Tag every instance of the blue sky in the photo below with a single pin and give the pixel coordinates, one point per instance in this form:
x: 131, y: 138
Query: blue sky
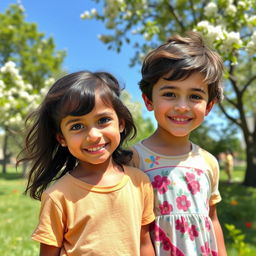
x: 61, y: 20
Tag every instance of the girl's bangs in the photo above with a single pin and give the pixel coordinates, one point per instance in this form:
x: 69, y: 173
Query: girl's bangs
x: 77, y: 101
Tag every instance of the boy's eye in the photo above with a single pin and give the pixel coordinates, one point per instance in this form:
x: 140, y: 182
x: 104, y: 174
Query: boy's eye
x: 169, y: 94
x: 76, y: 127
x: 104, y: 120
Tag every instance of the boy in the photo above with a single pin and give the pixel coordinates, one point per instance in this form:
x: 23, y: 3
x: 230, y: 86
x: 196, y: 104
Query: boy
x: 181, y: 81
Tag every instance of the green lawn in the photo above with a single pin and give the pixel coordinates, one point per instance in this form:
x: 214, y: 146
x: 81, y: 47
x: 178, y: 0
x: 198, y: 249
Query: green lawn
x: 19, y: 214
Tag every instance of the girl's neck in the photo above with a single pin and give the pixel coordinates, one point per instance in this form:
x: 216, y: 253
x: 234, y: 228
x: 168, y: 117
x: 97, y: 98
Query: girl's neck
x: 168, y: 145
x: 105, y: 174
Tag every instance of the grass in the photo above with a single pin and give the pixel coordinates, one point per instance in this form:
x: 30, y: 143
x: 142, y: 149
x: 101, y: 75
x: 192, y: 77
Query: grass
x: 19, y: 215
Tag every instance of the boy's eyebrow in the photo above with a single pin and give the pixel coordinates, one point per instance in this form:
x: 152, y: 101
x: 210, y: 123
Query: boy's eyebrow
x: 165, y: 87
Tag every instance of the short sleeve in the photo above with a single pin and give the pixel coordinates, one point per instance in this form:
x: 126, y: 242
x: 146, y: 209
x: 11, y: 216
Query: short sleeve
x: 214, y: 176
x: 148, y: 211
x: 51, y: 228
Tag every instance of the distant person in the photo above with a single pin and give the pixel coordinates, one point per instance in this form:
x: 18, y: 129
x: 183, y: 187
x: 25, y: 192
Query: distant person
x: 229, y: 165
x: 181, y: 81
x: 92, y: 203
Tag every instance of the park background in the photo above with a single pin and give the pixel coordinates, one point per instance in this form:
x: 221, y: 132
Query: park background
x: 74, y: 36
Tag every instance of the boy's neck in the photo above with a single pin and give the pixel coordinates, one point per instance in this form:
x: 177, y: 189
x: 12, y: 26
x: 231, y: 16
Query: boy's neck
x: 171, y: 145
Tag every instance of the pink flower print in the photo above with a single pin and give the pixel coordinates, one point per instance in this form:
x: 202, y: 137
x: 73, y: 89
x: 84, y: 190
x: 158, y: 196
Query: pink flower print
x: 161, y: 183
x: 152, y: 160
x: 198, y: 171
x: 189, y: 177
x: 214, y: 253
x: 181, y: 225
x: 165, y: 208
x: 159, y: 233
x: 194, y: 187
x: 183, y: 203
x: 207, y: 224
x: 166, y: 244
x: 192, y: 231
x: 205, y: 250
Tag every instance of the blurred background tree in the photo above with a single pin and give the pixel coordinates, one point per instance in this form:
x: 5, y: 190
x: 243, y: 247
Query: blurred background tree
x: 28, y: 62
x: 227, y: 25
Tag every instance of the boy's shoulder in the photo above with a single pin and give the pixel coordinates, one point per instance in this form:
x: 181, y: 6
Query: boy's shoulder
x: 208, y: 157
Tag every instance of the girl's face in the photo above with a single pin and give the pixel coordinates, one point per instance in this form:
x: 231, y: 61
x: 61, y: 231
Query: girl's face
x: 92, y: 138
x: 179, y: 106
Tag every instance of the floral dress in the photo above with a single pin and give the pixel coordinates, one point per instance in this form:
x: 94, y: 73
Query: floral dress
x: 184, y: 187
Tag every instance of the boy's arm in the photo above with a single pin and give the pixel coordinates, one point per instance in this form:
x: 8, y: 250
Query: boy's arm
x: 218, y: 231
x: 48, y: 250
x: 146, y: 247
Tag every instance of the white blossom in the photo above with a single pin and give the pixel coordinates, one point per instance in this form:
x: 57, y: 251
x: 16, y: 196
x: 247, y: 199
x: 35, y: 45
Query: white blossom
x: 231, y: 10
x: 210, y: 10
x: 85, y: 15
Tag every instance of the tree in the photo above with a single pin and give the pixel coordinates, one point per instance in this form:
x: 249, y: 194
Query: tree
x: 28, y: 61
x: 144, y: 125
x: 227, y: 25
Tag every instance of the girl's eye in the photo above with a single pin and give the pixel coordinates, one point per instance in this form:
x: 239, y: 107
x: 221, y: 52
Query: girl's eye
x: 196, y: 97
x: 104, y: 120
x: 76, y: 127
x: 169, y: 94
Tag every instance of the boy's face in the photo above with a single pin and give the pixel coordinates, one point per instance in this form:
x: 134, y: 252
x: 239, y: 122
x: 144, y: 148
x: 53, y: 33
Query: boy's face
x: 179, y: 106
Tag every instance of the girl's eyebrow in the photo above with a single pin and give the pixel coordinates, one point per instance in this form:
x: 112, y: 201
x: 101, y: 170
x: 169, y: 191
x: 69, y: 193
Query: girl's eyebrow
x: 79, y: 119
x: 70, y: 121
x: 166, y: 87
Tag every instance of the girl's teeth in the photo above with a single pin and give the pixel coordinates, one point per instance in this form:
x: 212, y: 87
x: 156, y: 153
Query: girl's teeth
x: 95, y: 149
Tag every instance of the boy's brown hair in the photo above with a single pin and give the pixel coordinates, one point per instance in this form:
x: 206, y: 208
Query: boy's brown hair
x: 180, y: 57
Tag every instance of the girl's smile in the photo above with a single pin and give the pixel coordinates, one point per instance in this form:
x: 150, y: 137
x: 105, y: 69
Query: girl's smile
x: 92, y: 138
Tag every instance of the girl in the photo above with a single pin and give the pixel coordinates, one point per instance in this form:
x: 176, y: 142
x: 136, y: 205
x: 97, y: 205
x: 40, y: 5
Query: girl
x: 181, y: 81
x: 95, y: 204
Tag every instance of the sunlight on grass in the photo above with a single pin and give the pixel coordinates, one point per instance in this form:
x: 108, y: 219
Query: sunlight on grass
x: 19, y: 215
x: 18, y: 218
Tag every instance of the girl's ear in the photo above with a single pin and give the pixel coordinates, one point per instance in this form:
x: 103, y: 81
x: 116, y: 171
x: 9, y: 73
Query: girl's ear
x: 60, y: 138
x: 121, y: 125
x: 209, y: 107
x: 148, y: 102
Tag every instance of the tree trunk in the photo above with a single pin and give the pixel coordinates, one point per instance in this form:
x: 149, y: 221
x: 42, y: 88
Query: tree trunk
x: 5, y: 154
x: 250, y: 175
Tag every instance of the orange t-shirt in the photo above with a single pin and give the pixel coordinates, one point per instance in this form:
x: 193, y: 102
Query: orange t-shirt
x: 85, y: 219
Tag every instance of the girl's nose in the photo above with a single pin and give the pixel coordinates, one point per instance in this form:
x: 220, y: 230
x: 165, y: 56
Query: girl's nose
x: 93, y: 134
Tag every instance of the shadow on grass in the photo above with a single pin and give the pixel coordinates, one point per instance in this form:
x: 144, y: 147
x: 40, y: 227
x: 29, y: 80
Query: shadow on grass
x: 238, y: 208
x: 11, y: 176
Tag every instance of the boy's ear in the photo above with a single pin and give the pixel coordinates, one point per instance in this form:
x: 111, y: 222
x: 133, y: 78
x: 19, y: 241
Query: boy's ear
x: 209, y: 107
x: 148, y: 102
x: 60, y: 138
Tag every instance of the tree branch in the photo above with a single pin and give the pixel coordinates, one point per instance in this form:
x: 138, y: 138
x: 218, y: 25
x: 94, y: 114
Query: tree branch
x: 248, y: 84
x: 229, y: 116
x: 175, y: 15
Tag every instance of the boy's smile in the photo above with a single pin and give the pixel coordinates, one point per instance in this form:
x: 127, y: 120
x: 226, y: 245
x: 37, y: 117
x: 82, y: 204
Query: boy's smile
x: 179, y: 106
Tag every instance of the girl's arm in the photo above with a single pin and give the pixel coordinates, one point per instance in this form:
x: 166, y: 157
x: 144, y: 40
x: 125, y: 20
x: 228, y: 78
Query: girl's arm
x: 48, y: 250
x: 218, y: 231
x: 146, y: 247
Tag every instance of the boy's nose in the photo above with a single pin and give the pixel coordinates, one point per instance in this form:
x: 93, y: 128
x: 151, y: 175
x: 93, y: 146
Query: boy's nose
x: 182, y: 106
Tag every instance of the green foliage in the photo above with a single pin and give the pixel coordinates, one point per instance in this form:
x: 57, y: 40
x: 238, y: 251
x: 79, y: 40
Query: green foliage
x: 144, y: 126
x: 218, y: 140
x: 238, y: 240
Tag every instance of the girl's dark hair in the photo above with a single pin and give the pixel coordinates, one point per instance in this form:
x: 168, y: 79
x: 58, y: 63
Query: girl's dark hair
x: 180, y: 57
x: 73, y: 94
